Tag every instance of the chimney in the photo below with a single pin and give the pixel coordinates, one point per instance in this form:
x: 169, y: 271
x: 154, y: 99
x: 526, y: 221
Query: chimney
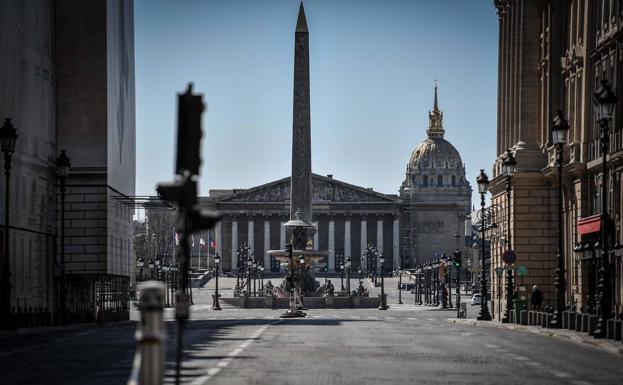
x: 330, y: 176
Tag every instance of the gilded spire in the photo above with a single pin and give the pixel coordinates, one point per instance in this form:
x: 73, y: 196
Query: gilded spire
x: 435, y: 120
x: 435, y: 105
x: 301, y: 23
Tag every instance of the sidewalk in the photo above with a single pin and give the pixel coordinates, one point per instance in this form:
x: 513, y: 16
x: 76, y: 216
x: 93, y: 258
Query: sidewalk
x: 579, y: 338
x: 64, y: 328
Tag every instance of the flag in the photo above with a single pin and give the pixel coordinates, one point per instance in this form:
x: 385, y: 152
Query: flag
x: 177, y: 239
x: 202, y: 242
x: 193, y: 240
x: 212, y: 242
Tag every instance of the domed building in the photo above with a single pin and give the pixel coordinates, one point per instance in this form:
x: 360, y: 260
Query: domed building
x: 435, y: 194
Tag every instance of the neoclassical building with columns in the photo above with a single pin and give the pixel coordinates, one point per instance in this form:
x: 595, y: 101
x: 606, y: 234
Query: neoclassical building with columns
x: 347, y: 217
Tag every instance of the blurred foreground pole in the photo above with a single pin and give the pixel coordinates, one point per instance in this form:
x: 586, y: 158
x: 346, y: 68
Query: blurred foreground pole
x: 148, y: 368
x: 182, y: 193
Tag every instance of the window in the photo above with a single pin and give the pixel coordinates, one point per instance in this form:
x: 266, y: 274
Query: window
x: 453, y: 180
x: 439, y: 180
x: 425, y: 180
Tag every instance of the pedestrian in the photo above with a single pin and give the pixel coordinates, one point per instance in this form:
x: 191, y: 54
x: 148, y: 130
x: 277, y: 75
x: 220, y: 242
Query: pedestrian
x: 536, y: 298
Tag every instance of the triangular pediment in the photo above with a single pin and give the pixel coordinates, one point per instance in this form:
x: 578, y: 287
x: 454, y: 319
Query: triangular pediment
x: 325, y: 190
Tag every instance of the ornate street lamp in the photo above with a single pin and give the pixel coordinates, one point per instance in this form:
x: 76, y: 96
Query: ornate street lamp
x: 157, y: 263
x: 302, y: 267
x: 435, y: 266
x: 342, y: 276
x: 8, y: 136
x: 400, y: 282
x: 62, y: 173
x: 483, y: 184
x: 605, y: 103
x: 216, y: 305
x: 262, y: 280
x: 560, y: 128
x: 383, y: 305
x: 508, y: 169
x: 140, y: 263
x: 254, y: 272
x: 348, y: 275
x: 457, y: 263
x: 151, y: 268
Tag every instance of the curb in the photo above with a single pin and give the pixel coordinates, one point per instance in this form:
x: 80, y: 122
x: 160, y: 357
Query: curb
x: 611, y: 347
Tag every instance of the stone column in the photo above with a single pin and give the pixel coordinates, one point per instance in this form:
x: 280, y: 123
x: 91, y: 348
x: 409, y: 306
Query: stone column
x: 282, y: 236
x: 218, y: 237
x: 251, y: 236
x: 316, y: 236
x: 234, y: 244
x: 364, y: 243
x: 347, y: 249
x: 331, y: 245
x: 266, y: 243
x: 379, y: 240
x: 396, y: 242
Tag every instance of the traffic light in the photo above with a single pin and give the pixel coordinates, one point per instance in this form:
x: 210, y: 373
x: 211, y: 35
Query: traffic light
x: 457, y: 258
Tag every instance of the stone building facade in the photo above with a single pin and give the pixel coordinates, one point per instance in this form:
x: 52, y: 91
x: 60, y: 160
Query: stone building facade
x: 552, y: 56
x: 67, y: 82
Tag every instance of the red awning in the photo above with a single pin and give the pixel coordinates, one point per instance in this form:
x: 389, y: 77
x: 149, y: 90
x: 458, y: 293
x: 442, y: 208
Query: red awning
x: 589, y: 225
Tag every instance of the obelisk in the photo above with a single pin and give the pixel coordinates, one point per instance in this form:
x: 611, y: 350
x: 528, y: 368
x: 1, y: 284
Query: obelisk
x: 301, y: 182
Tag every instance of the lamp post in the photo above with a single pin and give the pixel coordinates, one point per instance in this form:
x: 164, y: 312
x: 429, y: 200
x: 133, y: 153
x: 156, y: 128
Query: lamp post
x: 383, y: 305
x: 217, y: 261
x: 508, y: 169
x: 359, y: 273
x: 302, y: 267
x: 254, y: 271
x: 483, y: 183
x: 605, y: 103
x: 140, y: 263
x: 560, y: 128
x: 62, y: 173
x: 436, y: 299
x: 8, y: 136
x: 151, y: 268
x: 261, y: 268
x: 342, y: 276
x: 400, y: 282
x: 243, y: 255
x: 249, y: 265
x: 457, y: 263
x: 348, y: 275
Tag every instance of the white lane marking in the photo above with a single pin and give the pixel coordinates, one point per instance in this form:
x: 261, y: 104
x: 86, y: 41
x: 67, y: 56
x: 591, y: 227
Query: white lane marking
x: 372, y: 317
x: 467, y: 334
x: 412, y: 319
x: 560, y: 374
x: 354, y: 316
x: 390, y: 317
x: 224, y: 362
x: 491, y: 346
x: 235, y: 352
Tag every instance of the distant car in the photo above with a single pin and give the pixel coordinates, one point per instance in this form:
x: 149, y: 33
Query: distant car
x: 476, y: 298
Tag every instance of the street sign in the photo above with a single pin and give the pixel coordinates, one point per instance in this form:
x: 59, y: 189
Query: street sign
x: 509, y: 257
x: 499, y: 271
x: 522, y: 270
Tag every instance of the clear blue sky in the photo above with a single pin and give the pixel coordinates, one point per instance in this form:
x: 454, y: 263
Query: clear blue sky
x: 372, y: 66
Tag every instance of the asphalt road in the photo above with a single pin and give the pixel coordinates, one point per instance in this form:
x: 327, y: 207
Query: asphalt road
x: 405, y: 344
